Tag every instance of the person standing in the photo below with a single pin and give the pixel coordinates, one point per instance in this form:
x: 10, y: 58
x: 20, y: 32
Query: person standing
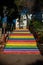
x: 4, y: 20
x: 14, y: 23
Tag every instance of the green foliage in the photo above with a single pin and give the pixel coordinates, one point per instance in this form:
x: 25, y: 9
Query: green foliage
x: 38, y: 27
x: 18, y: 2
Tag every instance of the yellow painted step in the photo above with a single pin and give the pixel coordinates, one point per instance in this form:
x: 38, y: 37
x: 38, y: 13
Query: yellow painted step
x: 21, y: 36
x: 21, y: 44
x: 21, y: 32
x: 21, y: 29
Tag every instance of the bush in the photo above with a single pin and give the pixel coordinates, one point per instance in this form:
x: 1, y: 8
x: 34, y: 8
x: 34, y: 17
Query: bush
x: 38, y: 28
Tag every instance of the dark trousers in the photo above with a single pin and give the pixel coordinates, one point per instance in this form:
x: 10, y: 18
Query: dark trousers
x: 4, y: 30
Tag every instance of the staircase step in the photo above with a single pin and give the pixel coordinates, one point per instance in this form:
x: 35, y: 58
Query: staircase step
x: 32, y: 41
x: 20, y: 32
x: 21, y: 52
x: 21, y: 37
x: 21, y: 47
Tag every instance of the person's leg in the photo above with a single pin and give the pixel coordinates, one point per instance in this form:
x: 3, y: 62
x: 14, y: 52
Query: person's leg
x: 2, y: 30
x: 12, y: 26
x: 5, y: 30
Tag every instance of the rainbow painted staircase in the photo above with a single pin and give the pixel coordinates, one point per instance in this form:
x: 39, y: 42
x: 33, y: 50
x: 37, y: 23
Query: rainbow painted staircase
x: 21, y: 42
